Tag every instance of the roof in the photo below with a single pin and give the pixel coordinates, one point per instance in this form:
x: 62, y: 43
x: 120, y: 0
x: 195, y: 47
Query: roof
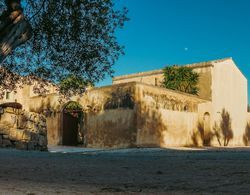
x: 160, y: 71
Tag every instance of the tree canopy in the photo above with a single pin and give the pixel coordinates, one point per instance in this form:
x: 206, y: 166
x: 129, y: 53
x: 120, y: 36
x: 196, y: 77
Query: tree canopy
x: 62, y: 38
x: 181, y: 78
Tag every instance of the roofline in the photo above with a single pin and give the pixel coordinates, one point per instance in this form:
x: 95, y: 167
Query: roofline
x: 238, y: 68
x: 160, y: 71
x: 197, y: 98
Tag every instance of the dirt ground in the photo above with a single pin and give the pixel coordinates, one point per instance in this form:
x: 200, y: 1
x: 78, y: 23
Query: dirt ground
x: 133, y: 171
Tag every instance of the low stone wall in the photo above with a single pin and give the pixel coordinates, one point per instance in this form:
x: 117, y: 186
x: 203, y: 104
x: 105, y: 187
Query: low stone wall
x: 23, y: 130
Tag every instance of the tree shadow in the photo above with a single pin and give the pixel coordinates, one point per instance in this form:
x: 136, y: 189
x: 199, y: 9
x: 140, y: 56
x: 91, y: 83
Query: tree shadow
x: 225, y: 126
x: 151, y: 128
x: 119, y: 99
x: 246, y: 136
x: 201, y: 137
x: 223, y: 132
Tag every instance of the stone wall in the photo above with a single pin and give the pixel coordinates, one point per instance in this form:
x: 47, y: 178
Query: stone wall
x: 23, y: 130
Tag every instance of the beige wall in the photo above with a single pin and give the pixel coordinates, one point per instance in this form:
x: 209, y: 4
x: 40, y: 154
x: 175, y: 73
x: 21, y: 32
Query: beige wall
x: 110, y: 116
x: 229, y: 88
x: 205, y: 82
x: 151, y: 79
x: 161, y: 125
x: 157, y: 118
x: 111, y: 128
x: 54, y: 129
x: 156, y: 77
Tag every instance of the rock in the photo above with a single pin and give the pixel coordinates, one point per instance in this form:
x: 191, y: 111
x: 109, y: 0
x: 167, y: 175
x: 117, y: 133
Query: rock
x: 29, y: 125
x: 42, y: 141
x: 21, y: 146
x: 6, y: 143
x: 29, y: 133
x: 16, y: 134
x: 42, y: 123
x: 31, y: 146
x: 5, y: 136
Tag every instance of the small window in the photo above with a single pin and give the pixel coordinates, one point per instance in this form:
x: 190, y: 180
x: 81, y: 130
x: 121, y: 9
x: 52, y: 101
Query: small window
x: 7, y: 95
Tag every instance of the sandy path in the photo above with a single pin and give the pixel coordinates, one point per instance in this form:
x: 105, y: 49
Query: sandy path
x: 134, y: 171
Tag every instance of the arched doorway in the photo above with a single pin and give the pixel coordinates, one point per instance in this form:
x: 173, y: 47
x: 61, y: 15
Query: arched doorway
x: 72, y: 116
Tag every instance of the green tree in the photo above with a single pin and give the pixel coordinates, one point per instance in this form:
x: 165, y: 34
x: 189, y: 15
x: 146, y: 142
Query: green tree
x: 53, y: 40
x: 181, y: 78
x: 72, y: 84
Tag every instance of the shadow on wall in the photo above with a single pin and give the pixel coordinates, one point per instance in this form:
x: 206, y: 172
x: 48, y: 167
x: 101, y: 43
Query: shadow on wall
x: 152, y: 128
x: 222, y: 132
x: 246, y: 136
x: 119, y: 99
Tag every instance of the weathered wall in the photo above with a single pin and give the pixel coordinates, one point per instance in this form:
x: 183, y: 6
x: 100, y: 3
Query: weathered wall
x: 151, y: 77
x: 134, y: 113
x: 54, y: 129
x: 111, y: 128
x: 205, y: 81
x: 229, y: 88
x: 165, y: 117
x: 110, y: 116
x: 51, y: 107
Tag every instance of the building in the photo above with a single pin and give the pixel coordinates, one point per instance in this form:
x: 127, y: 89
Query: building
x: 136, y: 111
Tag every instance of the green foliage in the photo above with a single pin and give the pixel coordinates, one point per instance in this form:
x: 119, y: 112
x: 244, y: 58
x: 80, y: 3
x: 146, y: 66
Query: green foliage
x: 248, y: 108
x: 74, y: 109
x: 72, y: 84
x: 181, y: 78
x: 71, y: 106
x: 70, y: 37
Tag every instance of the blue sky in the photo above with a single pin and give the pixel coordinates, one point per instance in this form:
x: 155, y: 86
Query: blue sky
x: 166, y: 32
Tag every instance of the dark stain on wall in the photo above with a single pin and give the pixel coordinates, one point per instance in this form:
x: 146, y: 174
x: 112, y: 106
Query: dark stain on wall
x: 119, y: 99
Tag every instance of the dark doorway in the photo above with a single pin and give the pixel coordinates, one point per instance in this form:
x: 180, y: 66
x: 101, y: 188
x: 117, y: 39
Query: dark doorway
x: 72, y: 116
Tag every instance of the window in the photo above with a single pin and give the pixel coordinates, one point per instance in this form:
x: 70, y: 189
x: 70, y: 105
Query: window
x: 7, y: 95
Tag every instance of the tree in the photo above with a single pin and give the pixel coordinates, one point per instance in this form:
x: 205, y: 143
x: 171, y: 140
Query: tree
x: 14, y: 28
x: 181, y: 78
x: 72, y: 84
x: 57, y: 39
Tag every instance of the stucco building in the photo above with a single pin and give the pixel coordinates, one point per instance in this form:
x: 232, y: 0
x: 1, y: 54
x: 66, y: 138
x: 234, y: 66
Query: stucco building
x: 136, y: 111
